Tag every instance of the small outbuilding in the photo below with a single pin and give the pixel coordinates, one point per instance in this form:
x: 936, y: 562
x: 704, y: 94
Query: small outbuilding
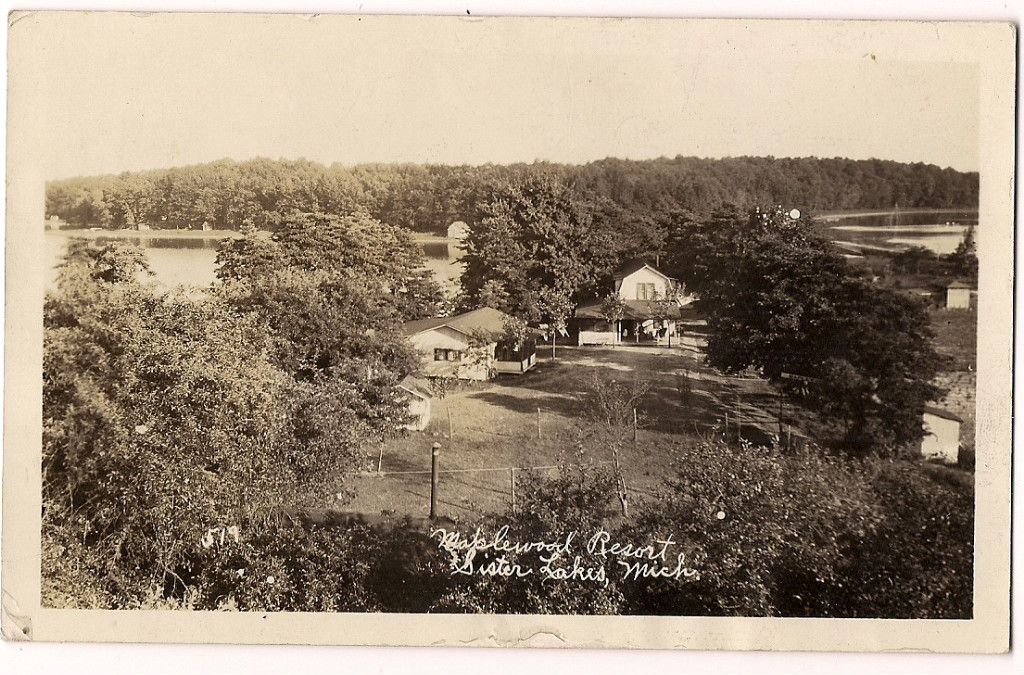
x: 941, y: 435
x: 420, y: 395
x: 958, y: 295
x: 458, y: 230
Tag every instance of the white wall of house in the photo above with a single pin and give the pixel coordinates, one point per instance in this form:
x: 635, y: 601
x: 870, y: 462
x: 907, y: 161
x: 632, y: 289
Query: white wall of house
x: 597, y: 332
x: 594, y: 337
x: 628, y: 287
x: 474, y: 363
x: 958, y: 298
x: 941, y: 440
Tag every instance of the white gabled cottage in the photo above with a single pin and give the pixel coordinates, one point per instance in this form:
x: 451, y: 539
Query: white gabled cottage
x: 653, y: 304
x: 469, y: 346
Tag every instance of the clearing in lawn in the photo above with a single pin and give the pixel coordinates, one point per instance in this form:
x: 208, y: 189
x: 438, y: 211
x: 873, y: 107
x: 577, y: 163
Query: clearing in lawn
x: 495, y: 428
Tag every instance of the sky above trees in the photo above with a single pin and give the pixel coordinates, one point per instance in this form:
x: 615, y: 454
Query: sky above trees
x: 131, y: 94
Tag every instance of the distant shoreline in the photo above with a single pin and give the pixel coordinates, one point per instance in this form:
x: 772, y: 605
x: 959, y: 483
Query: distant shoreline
x: 86, y: 233
x: 429, y: 238
x: 832, y: 216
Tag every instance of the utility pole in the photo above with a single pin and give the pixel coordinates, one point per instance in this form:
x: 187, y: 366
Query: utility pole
x: 512, y: 483
x: 435, y: 451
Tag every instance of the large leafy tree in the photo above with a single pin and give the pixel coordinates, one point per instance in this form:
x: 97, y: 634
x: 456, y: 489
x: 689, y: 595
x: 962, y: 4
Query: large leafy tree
x: 164, y: 417
x: 332, y: 292
x: 781, y: 300
x: 535, y: 247
x: 353, y: 247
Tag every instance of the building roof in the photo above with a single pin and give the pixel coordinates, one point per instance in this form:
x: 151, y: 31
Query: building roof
x: 944, y: 414
x: 416, y: 386
x: 635, y: 265
x: 635, y: 310
x: 960, y: 283
x: 483, y: 320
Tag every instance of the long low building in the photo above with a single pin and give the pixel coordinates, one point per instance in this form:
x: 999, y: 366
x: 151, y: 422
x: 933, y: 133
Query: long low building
x: 469, y: 346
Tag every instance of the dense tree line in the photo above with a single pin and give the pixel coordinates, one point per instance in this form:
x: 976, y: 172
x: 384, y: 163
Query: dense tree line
x: 426, y: 198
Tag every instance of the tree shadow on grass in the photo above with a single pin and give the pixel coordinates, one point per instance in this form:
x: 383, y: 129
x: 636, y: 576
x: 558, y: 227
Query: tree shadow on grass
x: 558, y: 404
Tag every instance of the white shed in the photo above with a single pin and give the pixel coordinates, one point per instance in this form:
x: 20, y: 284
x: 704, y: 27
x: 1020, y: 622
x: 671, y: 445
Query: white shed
x: 958, y: 295
x: 420, y: 395
x: 942, y: 435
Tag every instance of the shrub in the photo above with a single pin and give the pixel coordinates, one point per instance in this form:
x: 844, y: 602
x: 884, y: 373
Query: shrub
x: 918, y: 561
x: 768, y: 533
x: 576, y: 499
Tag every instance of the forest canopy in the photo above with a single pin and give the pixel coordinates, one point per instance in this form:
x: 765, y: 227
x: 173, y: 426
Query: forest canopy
x: 227, y: 195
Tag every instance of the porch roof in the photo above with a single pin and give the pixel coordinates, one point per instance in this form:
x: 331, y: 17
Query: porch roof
x: 636, y: 310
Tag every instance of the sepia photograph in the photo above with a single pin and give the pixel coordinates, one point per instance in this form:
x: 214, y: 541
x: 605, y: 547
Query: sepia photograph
x: 461, y: 317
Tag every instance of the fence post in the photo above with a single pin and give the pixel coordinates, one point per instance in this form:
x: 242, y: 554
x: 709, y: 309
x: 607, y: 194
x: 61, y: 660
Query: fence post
x: 538, y: 422
x: 512, y: 483
x: 634, y: 426
x: 449, y: 409
x: 380, y: 458
x: 435, y: 450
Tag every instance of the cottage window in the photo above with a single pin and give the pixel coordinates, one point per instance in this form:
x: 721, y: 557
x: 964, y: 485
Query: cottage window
x: 447, y: 355
x: 645, y: 291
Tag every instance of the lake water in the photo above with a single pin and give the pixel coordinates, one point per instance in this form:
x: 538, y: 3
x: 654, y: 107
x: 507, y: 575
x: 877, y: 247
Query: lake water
x: 939, y: 231
x: 174, y: 261
x: 190, y: 261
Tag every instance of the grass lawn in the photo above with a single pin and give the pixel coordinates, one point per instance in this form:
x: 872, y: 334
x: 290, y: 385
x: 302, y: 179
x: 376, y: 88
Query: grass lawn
x: 956, y: 336
x: 495, y: 427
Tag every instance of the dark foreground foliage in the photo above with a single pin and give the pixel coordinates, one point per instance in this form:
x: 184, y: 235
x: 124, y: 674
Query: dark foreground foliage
x: 768, y: 533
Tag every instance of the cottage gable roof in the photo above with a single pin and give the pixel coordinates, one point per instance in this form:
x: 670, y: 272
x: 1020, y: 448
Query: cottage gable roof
x: 636, y: 265
x: 959, y: 283
x: 416, y: 387
x: 483, y: 320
